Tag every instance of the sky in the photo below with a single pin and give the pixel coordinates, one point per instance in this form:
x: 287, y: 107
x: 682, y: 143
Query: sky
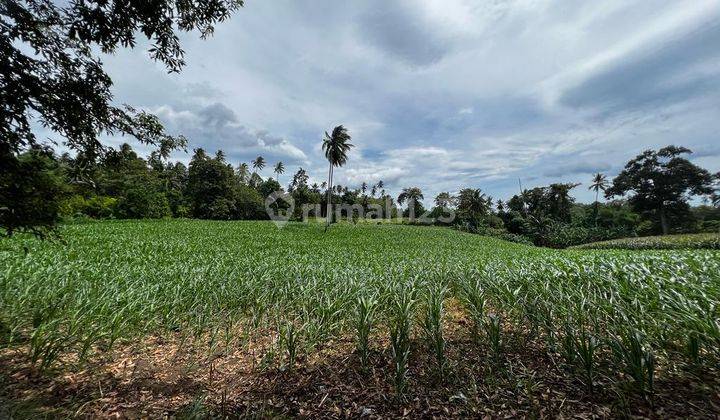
x: 444, y: 94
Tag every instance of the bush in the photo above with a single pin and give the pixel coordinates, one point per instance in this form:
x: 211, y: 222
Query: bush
x: 710, y: 226
x: 249, y: 204
x: 96, y: 206
x: 139, y: 203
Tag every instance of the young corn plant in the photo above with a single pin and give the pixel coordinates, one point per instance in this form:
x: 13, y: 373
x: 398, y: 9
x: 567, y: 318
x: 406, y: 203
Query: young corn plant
x: 289, y: 341
x: 567, y: 345
x: 637, y: 359
x: 364, y: 320
x: 493, y: 331
x: 472, y: 296
x: 400, y: 329
x: 586, y: 345
x: 432, y: 325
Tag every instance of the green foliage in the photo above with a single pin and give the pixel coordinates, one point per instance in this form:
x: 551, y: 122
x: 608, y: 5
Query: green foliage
x: 96, y: 206
x: 432, y: 324
x: 249, y: 204
x: 52, y: 78
x: 364, y: 321
x: 139, y: 203
x: 210, y: 188
x: 402, y: 303
x: 31, y: 191
x: 661, y: 181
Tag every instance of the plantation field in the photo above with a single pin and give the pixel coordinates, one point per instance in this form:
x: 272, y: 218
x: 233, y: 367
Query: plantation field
x: 686, y: 241
x: 242, y: 318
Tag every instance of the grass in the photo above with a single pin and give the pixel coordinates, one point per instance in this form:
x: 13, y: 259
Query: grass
x: 685, y: 241
x: 387, y: 289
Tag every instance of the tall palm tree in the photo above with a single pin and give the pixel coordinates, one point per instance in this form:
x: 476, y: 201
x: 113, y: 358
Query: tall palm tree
x: 373, y: 190
x: 279, y: 168
x: 413, y: 196
x: 336, y: 147
x: 473, y: 201
x: 363, y: 187
x: 323, y: 185
x: 444, y: 199
x: 258, y: 163
x: 599, y: 183
x: 243, y: 173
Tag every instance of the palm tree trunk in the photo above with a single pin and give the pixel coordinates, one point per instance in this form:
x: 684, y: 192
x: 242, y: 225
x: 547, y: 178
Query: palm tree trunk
x: 328, y: 207
x: 597, y: 205
x: 663, y: 220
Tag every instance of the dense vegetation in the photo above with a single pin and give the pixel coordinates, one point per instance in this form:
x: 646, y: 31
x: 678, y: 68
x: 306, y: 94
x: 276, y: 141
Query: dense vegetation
x: 122, y: 185
x: 51, y: 77
x: 631, y: 317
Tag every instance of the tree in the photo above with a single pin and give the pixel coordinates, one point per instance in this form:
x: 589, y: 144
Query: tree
x: 559, y: 202
x: 661, y: 182
x: 50, y: 75
x: 444, y: 200
x: 472, y: 206
x: 243, y: 173
x: 279, y: 168
x: 210, y: 187
x: 30, y: 193
x: 336, y: 147
x: 715, y: 197
x: 299, y: 180
x: 258, y: 164
x: 364, y: 187
x: 413, y: 196
x: 599, y: 183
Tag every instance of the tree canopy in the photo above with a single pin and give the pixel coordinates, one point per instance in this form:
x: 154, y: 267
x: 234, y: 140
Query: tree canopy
x: 661, y: 182
x: 51, y: 76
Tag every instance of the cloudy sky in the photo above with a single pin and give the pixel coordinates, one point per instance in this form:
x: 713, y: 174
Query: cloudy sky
x: 444, y: 94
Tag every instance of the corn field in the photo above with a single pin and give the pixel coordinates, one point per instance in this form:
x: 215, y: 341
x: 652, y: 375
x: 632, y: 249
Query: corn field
x: 112, y: 283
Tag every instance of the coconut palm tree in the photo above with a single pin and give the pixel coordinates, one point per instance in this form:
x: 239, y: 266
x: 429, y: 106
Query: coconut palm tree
x: 473, y: 201
x: 279, y: 168
x: 444, y: 199
x: 363, y: 187
x: 413, y: 196
x: 599, y: 183
x: 412, y: 193
x: 373, y: 190
x: 323, y: 185
x: 258, y: 163
x: 243, y: 173
x: 336, y: 147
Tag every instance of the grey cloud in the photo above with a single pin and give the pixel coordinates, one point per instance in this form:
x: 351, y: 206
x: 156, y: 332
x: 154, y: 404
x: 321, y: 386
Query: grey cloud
x: 203, y: 90
x: 217, y: 115
x: 575, y: 168
x: 656, y: 75
x: 216, y: 126
x: 399, y: 29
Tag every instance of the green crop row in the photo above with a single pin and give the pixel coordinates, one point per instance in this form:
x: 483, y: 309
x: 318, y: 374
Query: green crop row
x: 112, y: 282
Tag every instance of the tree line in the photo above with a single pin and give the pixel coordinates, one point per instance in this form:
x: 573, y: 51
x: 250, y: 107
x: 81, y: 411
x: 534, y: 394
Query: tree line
x: 649, y: 196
